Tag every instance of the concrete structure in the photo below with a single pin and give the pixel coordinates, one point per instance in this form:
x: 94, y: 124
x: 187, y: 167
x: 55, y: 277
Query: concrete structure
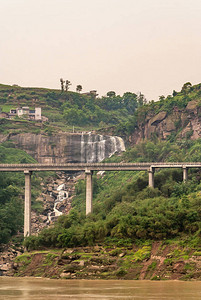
x: 27, y: 204
x: 89, y: 191
x: 92, y: 94
x: 32, y: 114
x: 151, y: 176
x: 88, y: 168
x: 185, y: 173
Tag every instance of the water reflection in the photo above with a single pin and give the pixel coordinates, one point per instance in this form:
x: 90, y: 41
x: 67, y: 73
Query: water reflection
x: 40, y: 289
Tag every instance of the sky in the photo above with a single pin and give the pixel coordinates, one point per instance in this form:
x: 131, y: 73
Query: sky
x: 147, y: 46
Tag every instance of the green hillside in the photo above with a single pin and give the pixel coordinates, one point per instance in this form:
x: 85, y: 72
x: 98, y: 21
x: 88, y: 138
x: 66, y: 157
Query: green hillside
x: 65, y: 109
x: 177, y: 101
x: 126, y: 211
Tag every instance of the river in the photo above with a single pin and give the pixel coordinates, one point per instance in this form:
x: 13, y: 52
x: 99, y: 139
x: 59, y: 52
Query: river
x: 49, y: 289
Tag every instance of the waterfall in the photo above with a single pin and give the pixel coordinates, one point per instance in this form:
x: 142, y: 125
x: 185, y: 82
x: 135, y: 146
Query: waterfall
x: 121, y: 142
x: 101, y: 149
x: 96, y: 147
x: 82, y: 148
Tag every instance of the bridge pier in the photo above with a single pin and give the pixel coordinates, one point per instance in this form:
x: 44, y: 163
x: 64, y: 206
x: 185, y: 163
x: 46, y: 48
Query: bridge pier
x: 27, y: 204
x: 185, y: 174
x: 151, y: 177
x: 89, y: 191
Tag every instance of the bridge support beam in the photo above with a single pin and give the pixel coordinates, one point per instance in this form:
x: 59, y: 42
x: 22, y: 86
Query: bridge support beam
x: 185, y: 174
x: 89, y: 191
x: 151, y: 177
x: 27, y: 204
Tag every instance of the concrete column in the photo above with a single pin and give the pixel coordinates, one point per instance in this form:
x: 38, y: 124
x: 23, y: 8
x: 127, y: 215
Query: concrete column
x: 185, y: 174
x: 89, y: 191
x: 27, y: 204
x: 151, y: 177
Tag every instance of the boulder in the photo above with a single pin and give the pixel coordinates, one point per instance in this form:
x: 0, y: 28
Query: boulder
x: 158, y: 118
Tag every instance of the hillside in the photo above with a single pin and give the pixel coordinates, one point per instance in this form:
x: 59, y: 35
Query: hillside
x: 66, y: 109
x: 126, y: 212
x: 176, y: 117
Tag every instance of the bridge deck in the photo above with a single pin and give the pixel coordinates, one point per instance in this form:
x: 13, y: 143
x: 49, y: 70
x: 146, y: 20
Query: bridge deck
x: 96, y: 166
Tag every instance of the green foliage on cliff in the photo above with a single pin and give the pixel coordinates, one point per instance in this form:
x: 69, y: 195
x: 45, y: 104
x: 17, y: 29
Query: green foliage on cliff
x: 176, y: 102
x: 126, y: 209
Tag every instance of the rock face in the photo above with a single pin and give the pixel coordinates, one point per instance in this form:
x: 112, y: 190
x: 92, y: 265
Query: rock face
x: 7, y: 256
x: 68, y: 148
x: 184, y: 122
x: 160, y: 263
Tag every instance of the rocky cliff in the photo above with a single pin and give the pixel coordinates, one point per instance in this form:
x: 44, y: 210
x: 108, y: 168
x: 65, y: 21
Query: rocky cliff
x: 185, y: 123
x: 68, y: 147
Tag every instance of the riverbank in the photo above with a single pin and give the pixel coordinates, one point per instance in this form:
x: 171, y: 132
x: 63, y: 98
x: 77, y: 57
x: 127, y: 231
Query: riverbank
x: 153, y: 261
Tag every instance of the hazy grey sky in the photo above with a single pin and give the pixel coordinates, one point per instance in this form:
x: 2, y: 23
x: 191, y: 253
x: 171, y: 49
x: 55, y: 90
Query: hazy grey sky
x: 152, y: 46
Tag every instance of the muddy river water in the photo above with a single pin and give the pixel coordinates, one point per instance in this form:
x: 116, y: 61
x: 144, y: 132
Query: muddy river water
x: 40, y: 289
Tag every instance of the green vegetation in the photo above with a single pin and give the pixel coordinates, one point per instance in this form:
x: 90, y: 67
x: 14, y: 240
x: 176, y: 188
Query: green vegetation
x: 12, y: 192
x: 177, y: 101
x: 126, y: 210
x: 65, y: 109
x: 111, y: 262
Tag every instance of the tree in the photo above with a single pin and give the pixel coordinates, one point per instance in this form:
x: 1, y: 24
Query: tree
x: 111, y: 94
x: 62, y: 84
x: 68, y: 83
x: 174, y: 93
x: 130, y: 101
x: 186, y: 87
x: 78, y: 88
x: 141, y: 99
x: 162, y: 97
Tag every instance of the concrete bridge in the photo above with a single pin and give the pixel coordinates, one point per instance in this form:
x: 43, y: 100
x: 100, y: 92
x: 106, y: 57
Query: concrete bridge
x: 88, y: 168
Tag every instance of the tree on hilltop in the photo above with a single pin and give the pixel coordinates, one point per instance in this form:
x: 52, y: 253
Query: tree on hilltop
x: 111, y: 94
x: 62, y: 84
x: 67, y: 85
x: 78, y: 88
x: 141, y: 99
x: 186, y: 87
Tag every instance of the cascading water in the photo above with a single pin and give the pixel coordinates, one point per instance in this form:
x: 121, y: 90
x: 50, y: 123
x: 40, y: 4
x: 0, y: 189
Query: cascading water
x: 82, y: 148
x: 95, y: 148
x: 101, y: 149
x: 62, y: 195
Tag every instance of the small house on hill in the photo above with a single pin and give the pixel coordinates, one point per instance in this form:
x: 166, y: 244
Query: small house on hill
x: 3, y: 115
x: 32, y: 114
x: 92, y: 94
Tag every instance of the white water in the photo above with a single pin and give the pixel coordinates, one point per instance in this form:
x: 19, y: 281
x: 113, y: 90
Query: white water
x: 95, y: 148
x: 63, y: 194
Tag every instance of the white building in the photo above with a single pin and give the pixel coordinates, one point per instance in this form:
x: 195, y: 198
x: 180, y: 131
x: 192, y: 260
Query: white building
x: 33, y: 114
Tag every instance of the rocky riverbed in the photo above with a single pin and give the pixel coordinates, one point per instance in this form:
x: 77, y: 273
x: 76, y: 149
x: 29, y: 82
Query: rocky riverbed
x: 56, y: 199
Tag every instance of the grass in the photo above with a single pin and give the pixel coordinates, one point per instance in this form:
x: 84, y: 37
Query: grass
x: 6, y: 108
x: 197, y: 253
x: 142, y: 253
x: 152, y: 266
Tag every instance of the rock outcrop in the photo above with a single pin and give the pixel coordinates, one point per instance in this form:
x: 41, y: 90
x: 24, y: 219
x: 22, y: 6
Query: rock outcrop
x: 7, y: 255
x: 183, y: 122
x: 68, y: 147
x: 159, y: 261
